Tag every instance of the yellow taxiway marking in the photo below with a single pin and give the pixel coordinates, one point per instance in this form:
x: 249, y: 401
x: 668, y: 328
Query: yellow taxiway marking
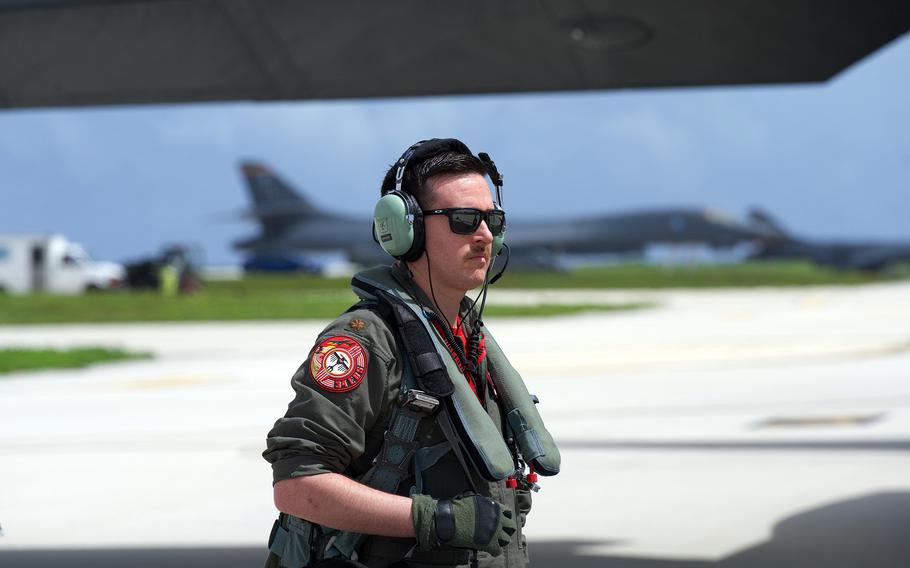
x: 177, y: 381
x: 820, y: 421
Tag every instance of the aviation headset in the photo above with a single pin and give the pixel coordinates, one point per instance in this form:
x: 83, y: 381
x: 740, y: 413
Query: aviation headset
x: 398, y: 224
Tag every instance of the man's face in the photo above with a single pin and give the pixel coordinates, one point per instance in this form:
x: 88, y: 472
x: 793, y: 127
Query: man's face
x: 457, y: 262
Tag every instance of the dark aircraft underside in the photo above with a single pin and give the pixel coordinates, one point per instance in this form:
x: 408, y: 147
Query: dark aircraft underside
x: 102, y: 52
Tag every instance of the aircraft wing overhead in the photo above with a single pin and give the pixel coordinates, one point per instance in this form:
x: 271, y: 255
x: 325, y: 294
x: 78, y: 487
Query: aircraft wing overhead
x: 103, y: 52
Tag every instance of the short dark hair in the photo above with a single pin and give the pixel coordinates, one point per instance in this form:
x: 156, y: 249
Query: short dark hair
x: 418, y: 173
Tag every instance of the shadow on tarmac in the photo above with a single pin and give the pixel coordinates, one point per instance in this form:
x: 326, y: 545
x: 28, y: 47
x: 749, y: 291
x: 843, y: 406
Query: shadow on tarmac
x: 870, y: 531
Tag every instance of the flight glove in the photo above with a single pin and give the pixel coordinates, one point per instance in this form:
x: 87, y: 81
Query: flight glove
x: 466, y: 521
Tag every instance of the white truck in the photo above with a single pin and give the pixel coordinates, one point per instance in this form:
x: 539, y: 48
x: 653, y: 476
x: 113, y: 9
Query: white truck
x: 54, y: 265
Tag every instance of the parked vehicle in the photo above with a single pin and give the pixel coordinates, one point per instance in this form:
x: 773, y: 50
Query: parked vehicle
x: 180, y: 262
x: 53, y: 264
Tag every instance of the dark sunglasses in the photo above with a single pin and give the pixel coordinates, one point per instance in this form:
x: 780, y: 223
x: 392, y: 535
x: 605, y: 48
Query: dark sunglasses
x: 464, y: 221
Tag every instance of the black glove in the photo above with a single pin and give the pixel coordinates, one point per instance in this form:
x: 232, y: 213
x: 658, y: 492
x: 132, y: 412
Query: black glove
x: 466, y: 521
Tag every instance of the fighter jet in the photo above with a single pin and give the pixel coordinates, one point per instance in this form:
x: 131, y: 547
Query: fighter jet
x: 291, y: 224
x: 778, y: 243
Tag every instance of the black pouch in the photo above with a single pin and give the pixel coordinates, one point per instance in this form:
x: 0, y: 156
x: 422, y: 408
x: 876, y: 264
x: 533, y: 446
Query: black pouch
x: 338, y: 563
x: 290, y: 543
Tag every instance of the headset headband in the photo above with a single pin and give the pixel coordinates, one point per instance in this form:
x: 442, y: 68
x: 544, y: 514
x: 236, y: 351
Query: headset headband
x: 494, y: 174
x: 426, y: 149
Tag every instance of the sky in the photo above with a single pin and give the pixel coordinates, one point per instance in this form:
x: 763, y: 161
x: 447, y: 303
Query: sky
x: 829, y: 161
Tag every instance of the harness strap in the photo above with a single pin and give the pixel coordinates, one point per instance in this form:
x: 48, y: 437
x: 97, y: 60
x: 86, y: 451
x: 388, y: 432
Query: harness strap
x: 394, y: 459
x: 428, y: 368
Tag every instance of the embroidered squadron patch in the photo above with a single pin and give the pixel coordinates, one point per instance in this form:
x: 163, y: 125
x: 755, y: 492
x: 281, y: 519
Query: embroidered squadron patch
x: 338, y: 364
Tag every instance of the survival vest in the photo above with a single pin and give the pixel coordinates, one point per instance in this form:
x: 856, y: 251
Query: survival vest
x: 428, y: 392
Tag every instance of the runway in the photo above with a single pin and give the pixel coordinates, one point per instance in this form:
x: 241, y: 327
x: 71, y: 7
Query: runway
x: 764, y: 427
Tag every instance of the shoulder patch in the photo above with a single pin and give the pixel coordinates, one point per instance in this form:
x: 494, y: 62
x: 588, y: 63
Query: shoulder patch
x: 338, y: 363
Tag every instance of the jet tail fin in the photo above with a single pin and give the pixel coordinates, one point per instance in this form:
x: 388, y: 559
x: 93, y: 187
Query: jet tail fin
x: 272, y: 197
x: 763, y: 222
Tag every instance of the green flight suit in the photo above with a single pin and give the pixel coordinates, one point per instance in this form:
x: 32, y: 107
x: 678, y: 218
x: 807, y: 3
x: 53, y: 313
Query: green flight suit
x: 341, y: 432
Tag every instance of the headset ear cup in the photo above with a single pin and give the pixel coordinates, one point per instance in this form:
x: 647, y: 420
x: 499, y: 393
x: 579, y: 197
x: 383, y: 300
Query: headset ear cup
x: 398, y: 225
x: 393, y: 230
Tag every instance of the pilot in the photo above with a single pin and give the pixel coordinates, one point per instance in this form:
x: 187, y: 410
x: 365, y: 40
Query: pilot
x: 411, y: 440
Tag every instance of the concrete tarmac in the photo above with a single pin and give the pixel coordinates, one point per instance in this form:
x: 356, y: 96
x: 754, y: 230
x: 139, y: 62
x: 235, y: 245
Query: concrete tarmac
x: 765, y: 427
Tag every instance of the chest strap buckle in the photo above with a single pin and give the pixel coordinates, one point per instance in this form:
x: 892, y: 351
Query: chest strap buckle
x: 419, y: 401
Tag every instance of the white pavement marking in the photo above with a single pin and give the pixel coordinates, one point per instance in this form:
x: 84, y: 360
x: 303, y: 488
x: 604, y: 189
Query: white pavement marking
x: 660, y: 411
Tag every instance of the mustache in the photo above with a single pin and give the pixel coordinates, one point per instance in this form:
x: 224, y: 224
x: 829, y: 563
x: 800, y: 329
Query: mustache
x: 486, y: 251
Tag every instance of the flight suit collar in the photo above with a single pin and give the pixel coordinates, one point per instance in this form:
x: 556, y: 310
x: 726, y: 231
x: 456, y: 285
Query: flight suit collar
x: 403, y: 276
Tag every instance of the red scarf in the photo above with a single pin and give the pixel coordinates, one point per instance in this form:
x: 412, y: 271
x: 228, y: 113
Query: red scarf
x: 460, y: 337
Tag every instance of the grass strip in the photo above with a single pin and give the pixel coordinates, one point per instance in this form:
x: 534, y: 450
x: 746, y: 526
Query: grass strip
x: 34, y: 359
x: 150, y: 307
x: 640, y: 276
x: 292, y: 297
x: 110, y: 308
